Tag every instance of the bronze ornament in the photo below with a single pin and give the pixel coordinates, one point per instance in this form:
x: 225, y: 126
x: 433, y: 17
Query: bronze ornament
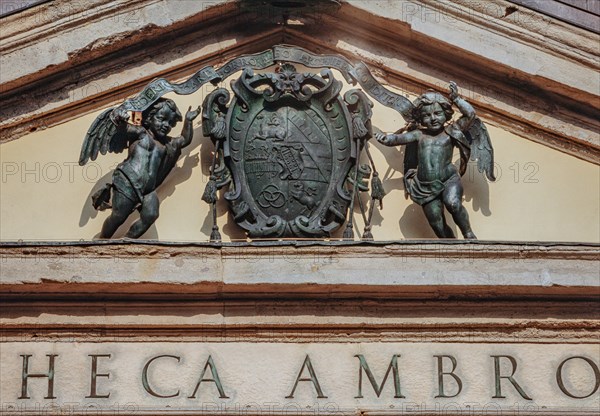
x: 289, y: 147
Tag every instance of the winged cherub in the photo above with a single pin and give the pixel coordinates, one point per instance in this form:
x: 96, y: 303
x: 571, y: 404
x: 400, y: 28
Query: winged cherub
x: 152, y: 154
x: 430, y: 177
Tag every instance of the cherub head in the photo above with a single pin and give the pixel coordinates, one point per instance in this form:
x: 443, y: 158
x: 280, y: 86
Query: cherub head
x: 161, y: 117
x: 432, y: 110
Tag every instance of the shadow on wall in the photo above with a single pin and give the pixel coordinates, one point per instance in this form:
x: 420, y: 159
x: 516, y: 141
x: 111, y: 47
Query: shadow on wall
x: 87, y: 210
x: 477, y: 189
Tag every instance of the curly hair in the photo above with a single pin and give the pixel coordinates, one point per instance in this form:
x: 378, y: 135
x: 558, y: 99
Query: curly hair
x: 429, y: 98
x: 148, y: 113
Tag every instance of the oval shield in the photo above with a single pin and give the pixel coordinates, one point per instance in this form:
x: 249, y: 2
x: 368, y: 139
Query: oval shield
x: 289, y: 150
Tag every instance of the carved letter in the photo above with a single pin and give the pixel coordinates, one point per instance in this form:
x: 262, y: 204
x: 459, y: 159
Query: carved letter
x: 441, y: 374
x: 93, y: 393
x: 510, y: 378
x: 50, y: 375
x: 561, y: 385
x: 215, y: 379
x: 145, y: 382
x: 365, y: 367
x: 313, y: 379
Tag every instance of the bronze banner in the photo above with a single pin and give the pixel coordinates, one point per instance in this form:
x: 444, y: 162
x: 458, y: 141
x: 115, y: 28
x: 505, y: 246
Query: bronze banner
x: 285, y: 53
x: 358, y: 73
x: 382, y: 94
x: 161, y: 86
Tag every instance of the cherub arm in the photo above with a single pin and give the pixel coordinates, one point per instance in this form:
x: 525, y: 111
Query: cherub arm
x: 463, y: 123
x: 187, y: 133
x: 392, y: 139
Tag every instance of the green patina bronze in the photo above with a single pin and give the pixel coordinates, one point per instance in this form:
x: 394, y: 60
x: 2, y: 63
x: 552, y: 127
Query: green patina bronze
x: 288, y: 147
x: 430, y: 177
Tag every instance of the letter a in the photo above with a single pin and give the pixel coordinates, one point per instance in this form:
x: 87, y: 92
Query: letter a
x: 215, y: 379
x: 313, y: 379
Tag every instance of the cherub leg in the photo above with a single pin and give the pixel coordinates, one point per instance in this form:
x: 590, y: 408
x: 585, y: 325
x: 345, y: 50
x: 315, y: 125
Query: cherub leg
x: 434, y: 211
x: 148, y: 214
x: 122, y: 207
x: 452, y: 197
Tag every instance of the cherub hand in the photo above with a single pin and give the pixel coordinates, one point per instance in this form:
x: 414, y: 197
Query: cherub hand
x: 385, y: 138
x: 453, y: 90
x: 191, y: 115
x: 120, y: 115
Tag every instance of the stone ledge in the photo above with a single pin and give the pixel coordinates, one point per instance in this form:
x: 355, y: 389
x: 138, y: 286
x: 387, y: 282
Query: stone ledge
x: 388, y: 270
x: 306, y: 321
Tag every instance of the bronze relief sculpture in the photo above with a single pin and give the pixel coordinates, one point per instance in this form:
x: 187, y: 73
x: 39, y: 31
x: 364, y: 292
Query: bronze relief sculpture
x: 288, y: 148
x: 430, y: 177
x: 151, y: 155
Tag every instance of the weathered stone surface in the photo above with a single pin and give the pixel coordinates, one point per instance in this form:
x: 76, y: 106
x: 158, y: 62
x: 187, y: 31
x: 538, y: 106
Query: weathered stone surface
x: 259, y: 310
x: 401, y: 269
x: 75, y: 31
x: 448, y: 22
x: 501, y: 77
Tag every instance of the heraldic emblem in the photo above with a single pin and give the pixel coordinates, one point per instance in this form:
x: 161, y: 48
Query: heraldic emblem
x: 285, y: 147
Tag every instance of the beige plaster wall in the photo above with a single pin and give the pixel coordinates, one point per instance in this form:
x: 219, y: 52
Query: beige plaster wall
x: 541, y: 194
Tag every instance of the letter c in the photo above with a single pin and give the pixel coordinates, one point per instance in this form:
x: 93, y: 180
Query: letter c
x: 145, y: 377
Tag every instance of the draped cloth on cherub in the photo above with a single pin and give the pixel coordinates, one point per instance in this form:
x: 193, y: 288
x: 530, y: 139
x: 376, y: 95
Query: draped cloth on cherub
x: 423, y: 192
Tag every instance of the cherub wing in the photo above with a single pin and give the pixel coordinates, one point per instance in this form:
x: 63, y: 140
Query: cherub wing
x: 103, y: 136
x: 481, y: 148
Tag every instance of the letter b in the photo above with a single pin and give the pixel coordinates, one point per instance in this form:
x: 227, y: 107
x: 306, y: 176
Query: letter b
x: 441, y: 374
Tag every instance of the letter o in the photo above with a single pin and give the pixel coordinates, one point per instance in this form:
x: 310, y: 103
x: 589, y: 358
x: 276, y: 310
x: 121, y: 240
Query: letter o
x: 97, y: 168
x: 561, y: 385
x: 49, y: 178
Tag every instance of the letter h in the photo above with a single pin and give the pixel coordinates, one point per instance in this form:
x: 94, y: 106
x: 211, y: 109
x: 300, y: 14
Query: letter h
x: 50, y: 375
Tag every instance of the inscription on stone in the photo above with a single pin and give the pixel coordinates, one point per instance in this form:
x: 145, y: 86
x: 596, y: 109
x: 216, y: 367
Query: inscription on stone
x: 349, y: 376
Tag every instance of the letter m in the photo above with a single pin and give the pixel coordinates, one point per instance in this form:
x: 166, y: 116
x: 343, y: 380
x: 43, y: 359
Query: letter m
x: 393, y: 367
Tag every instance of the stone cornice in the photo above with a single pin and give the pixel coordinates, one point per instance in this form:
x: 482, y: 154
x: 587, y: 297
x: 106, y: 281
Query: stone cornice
x: 66, y: 33
x: 527, y: 26
x: 419, y: 291
x: 384, y: 270
x: 556, y: 113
